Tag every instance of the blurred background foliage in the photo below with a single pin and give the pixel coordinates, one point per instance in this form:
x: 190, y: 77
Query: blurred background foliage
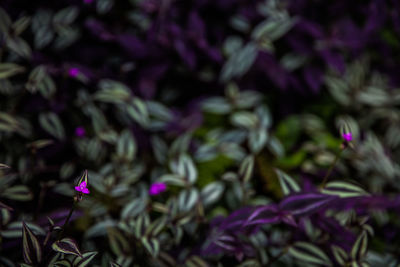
x: 231, y: 103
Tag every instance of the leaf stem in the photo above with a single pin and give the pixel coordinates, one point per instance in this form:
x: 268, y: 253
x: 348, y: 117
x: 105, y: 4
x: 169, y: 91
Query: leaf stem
x: 66, y: 221
x: 325, y: 180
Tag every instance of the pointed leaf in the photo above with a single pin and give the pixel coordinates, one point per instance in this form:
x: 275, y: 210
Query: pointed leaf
x: 343, y: 189
x: 86, y: 258
x: 246, y: 168
x: 67, y: 246
x: 32, y: 251
x: 211, y: 193
x: 288, y: 184
x: 309, y: 253
x: 302, y: 204
x: 360, y: 246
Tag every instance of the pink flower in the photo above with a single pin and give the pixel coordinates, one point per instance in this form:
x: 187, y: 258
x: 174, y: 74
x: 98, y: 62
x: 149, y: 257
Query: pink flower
x: 157, y: 188
x: 80, y: 131
x: 82, y: 188
x: 73, y: 72
x: 347, y: 136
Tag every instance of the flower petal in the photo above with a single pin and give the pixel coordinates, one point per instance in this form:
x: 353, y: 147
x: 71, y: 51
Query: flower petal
x: 77, y: 188
x: 85, y: 191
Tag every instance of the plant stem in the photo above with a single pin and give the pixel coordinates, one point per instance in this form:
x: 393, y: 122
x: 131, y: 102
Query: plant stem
x: 66, y: 221
x: 325, y: 180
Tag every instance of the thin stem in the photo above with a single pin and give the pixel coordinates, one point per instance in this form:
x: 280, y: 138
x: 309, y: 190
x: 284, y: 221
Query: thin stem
x: 66, y: 221
x: 331, y: 167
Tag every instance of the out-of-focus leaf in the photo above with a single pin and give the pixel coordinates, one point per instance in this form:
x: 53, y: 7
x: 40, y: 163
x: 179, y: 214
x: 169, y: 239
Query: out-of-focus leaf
x: 103, y: 6
x: 38, y: 144
x: 133, y: 208
x: 360, y: 246
x: 339, y: 254
x: 273, y: 29
x: 52, y: 124
x: 10, y: 69
x: 186, y: 168
x: 211, y: 193
x: 62, y: 263
x: 217, y: 105
x: 137, y: 110
x: 112, y: 92
x: 66, y: 246
x: 20, y: 25
x: 302, y: 204
x: 240, y: 62
x: 288, y: 185
x: 126, y: 146
x: 257, y: 139
x: 14, y: 230
x: 187, y: 199
x: 152, y: 245
x: 309, y: 253
x: 118, y: 243
x: 19, y: 47
x: 244, y: 119
x: 5, y: 21
x: 17, y: 192
x: 173, y: 179
x: 196, y: 261
x: 84, y: 261
x: 4, y: 166
x: 338, y: 89
x: 31, y: 248
x: 343, y: 189
x: 66, y: 16
x: 246, y: 168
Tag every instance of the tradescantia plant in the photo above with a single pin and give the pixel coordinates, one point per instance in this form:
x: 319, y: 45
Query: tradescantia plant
x: 207, y: 129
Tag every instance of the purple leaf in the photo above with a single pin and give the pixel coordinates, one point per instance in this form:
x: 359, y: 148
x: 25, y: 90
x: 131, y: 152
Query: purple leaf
x: 303, y: 204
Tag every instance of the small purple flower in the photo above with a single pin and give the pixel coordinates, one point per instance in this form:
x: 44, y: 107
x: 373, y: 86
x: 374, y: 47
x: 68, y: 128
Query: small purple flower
x: 80, y: 131
x: 82, y: 188
x: 157, y: 188
x: 87, y: 1
x: 347, y: 136
x: 73, y: 72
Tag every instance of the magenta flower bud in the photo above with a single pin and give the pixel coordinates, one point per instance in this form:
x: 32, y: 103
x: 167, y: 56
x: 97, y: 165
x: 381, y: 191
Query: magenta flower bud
x: 82, y: 188
x: 347, y: 136
x: 80, y: 131
x: 157, y: 188
x: 73, y: 72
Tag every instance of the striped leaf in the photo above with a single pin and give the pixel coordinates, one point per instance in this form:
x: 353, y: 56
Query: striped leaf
x: 187, y: 199
x: 211, y: 193
x: 86, y: 258
x: 309, y: 253
x: 52, y: 124
x: 152, y: 246
x: 246, y: 168
x: 67, y: 246
x: 339, y: 254
x: 126, y: 146
x: 10, y: 69
x: 288, y: 184
x: 196, y: 261
x: 17, y: 192
x: 360, y: 246
x: 343, y: 189
x: 187, y: 169
x: 32, y: 251
x: 62, y: 263
x: 118, y: 243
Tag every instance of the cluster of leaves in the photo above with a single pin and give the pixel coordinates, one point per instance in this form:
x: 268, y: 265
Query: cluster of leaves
x: 153, y: 88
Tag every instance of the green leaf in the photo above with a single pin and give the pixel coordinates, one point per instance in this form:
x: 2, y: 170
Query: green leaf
x: 66, y: 246
x: 10, y: 69
x: 217, y: 105
x: 133, y: 208
x: 187, y: 199
x: 104, y: 6
x: 309, y: 253
x: 4, y: 166
x: 137, y: 110
x: 20, y: 25
x: 288, y: 184
x: 52, y: 124
x: 86, y: 258
x: 212, y: 193
x: 66, y: 16
x: 258, y: 139
x: 126, y: 146
x: 339, y: 254
x: 62, y: 263
x: 112, y: 92
x: 343, y: 189
x: 19, y: 47
x: 32, y: 251
x: 186, y: 168
x: 83, y: 178
x: 196, y: 261
x: 244, y: 119
x: 118, y: 243
x: 152, y: 246
x: 246, y: 168
x: 360, y: 246
x: 17, y: 192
